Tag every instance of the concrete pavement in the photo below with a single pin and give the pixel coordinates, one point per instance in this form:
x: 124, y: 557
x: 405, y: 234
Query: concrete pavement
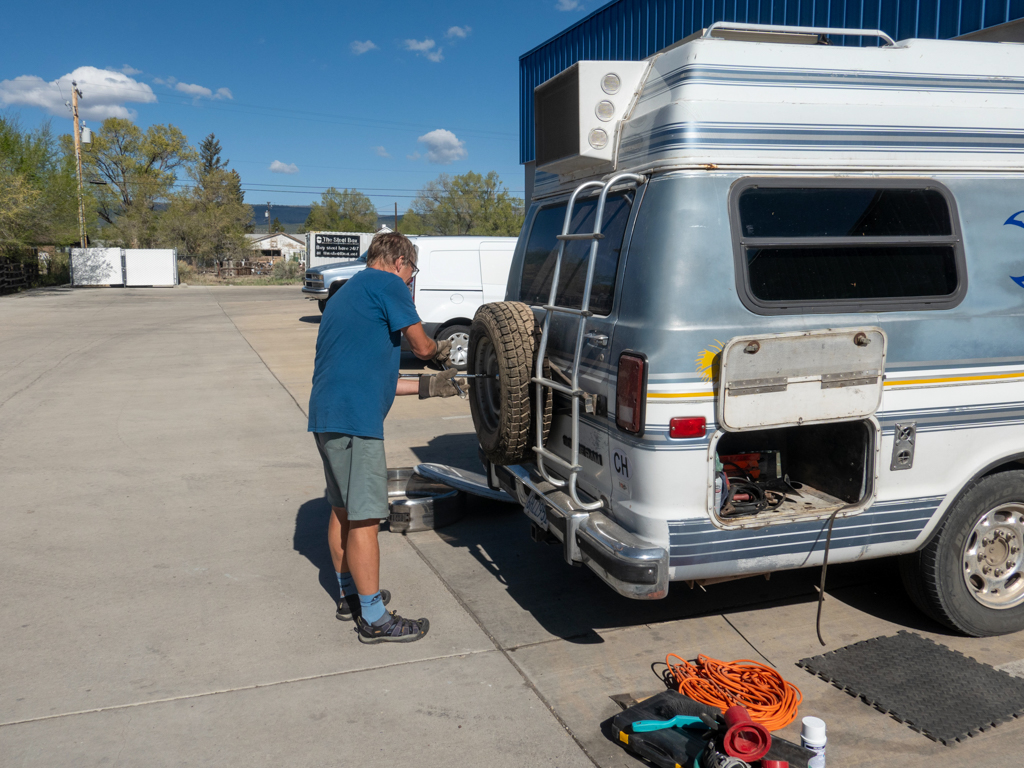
x: 165, y: 590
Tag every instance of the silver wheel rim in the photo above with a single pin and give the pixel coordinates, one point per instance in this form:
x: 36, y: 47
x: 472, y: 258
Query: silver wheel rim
x: 460, y: 349
x: 992, y: 557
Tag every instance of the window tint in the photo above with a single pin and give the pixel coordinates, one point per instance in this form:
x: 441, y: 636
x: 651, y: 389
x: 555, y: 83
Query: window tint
x: 849, y: 273
x: 542, y: 251
x: 883, y: 247
x: 854, y: 212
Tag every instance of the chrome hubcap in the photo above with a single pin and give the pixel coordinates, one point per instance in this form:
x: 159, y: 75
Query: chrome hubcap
x: 993, y: 555
x: 460, y: 348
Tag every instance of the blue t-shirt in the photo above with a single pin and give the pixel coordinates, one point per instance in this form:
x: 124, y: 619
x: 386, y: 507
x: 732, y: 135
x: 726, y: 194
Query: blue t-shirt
x: 357, y: 354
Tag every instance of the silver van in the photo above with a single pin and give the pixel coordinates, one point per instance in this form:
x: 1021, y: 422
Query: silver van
x: 767, y: 308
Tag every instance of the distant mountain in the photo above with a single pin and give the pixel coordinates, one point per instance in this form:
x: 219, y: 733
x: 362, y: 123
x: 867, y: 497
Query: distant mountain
x: 294, y: 216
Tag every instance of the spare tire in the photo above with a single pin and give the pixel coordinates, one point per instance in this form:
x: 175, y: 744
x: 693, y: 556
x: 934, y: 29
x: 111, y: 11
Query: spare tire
x: 501, y: 350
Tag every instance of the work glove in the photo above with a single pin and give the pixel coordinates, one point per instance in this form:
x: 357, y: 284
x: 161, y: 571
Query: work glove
x: 441, y: 384
x: 444, y: 350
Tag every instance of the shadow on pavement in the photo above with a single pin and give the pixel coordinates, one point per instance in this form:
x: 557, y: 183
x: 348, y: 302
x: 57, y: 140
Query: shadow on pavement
x: 310, y: 541
x: 457, y: 450
x: 571, y: 602
x: 314, y: 319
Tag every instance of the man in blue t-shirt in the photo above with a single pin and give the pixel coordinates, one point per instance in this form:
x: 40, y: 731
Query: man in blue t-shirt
x: 355, y: 380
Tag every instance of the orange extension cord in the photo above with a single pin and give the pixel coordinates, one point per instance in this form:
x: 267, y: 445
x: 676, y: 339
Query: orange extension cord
x: 768, y: 698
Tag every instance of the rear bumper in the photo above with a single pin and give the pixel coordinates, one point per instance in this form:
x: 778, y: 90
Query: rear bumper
x: 628, y: 564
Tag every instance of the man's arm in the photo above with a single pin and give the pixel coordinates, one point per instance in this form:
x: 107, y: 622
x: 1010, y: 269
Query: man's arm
x: 422, y: 345
x: 408, y: 387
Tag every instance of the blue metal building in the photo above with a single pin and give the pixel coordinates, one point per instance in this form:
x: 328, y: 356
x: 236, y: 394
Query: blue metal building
x: 635, y: 29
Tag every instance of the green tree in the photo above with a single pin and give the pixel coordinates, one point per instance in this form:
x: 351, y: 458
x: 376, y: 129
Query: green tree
x: 38, y: 188
x: 470, y: 204
x: 276, y: 226
x: 209, y: 156
x: 206, y: 221
x: 346, y: 211
x: 139, y: 170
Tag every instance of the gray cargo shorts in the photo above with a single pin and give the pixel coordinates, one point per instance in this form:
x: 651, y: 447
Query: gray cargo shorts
x: 356, y: 472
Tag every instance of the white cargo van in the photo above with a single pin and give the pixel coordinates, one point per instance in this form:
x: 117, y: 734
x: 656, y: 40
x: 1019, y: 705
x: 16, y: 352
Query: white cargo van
x: 457, y: 275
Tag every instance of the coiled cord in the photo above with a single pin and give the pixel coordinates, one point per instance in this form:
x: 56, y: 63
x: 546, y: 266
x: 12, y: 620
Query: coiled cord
x: 769, y: 699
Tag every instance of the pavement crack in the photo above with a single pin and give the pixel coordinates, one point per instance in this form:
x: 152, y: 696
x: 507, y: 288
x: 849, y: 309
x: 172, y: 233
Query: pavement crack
x: 256, y: 352
x: 236, y: 689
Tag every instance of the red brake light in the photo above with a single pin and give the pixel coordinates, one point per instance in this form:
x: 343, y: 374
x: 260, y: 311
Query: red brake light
x: 694, y: 426
x: 630, y: 392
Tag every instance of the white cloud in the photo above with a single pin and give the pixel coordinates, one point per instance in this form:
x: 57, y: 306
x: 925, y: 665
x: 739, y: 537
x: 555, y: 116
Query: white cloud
x: 413, y: 156
x: 424, y: 47
x: 460, y: 32
x: 568, y: 5
x: 381, y: 152
x: 197, y: 91
x: 194, y: 90
x: 129, y: 70
x: 359, y: 47
x: 278, y: 167
x: 443, y: 147
x: 105, y: 93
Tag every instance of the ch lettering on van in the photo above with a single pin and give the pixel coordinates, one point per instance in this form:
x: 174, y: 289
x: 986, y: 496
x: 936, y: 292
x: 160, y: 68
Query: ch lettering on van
x: 621, y: 463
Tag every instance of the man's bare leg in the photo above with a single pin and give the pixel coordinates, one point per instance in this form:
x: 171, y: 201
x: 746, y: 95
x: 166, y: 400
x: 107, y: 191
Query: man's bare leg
x: 362, y: 555
x: 337, y: 532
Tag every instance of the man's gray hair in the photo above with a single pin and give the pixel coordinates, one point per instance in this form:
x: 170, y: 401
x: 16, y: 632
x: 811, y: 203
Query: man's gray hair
x: 388, y: 248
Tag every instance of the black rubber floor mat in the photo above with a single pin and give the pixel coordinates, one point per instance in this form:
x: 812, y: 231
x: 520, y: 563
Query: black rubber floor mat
x: 941, y: 693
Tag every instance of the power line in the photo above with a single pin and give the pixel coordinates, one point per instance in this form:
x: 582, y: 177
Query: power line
x: 296, y: 114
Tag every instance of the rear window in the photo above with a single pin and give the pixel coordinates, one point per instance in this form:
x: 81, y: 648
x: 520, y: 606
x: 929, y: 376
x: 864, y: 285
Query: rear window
x: 846, y: 246
x: 542, y: 252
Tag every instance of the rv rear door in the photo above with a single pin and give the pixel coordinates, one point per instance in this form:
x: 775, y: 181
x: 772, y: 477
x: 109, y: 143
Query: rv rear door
x: 807, y: 377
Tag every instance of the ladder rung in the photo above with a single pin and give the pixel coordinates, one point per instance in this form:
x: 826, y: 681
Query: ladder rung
x: 567, y: 310
x: 557, y: 459
x: 581, y: 236
x: 560, y: 387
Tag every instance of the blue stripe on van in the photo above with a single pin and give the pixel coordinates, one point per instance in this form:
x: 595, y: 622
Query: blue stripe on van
x: 693, y: 542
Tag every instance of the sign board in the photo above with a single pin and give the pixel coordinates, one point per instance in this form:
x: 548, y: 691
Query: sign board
x: 333, y: 247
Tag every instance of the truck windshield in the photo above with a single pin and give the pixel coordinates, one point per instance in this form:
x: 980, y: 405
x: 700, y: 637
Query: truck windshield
x: 542, y: 251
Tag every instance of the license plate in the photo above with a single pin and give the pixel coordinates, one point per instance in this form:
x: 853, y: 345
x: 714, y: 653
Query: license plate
x: 536, y: 511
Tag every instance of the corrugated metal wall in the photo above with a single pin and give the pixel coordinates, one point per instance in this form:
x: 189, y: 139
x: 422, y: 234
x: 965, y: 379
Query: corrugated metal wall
x: 634, y: 29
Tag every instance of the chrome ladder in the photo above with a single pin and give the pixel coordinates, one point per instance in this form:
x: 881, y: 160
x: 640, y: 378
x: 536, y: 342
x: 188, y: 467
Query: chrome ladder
x: 573, y: 390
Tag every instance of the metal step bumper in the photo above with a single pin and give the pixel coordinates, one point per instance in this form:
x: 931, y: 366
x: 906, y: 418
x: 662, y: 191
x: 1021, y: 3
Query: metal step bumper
x: 628, y: 564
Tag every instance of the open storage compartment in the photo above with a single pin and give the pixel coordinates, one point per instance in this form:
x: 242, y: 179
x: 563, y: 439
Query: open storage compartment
x: 801, y: 471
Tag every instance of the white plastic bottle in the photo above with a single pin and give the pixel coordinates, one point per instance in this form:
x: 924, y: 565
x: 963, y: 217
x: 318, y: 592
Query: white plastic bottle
x: 812, y: 737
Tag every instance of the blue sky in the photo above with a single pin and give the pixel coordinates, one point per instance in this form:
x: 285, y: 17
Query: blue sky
x: 381, y: 97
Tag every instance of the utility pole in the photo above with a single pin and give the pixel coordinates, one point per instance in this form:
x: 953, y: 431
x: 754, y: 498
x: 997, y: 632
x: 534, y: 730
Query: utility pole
x: 396, y: 217
x: 267, y: 214
x: 75, y: 94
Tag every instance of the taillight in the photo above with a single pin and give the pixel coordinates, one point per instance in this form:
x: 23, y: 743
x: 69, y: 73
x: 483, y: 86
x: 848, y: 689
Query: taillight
x: 630, y: 392
x: 693, y: 426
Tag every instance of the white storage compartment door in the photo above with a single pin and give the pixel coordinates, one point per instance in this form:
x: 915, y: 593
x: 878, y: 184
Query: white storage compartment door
x: 808, y: 377
x: 150, y: 266
x: 450, y: 270
x: 96, y: 266
x: 495, y: 263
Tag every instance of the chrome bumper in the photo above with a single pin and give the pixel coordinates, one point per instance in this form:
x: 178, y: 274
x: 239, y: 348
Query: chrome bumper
x: 625, y: 562
x: 315, y: 293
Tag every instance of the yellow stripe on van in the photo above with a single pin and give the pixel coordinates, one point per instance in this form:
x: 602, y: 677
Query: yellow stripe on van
x: 653, y: 395
x: 950, y: 379
x: 896, y: 383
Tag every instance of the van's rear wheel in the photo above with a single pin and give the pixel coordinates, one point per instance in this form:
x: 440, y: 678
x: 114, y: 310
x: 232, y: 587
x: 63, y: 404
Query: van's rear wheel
x: 971, y: 575
x: 501, y: 350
